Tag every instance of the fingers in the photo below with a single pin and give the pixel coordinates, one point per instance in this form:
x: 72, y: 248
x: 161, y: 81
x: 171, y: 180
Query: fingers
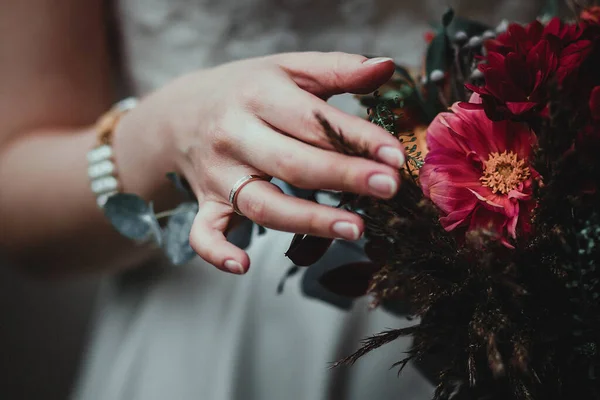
x: 294, y: 112
x: 265, y: 204
x: 209, y: 242
x: 309, y: 167
x: 326, y: 74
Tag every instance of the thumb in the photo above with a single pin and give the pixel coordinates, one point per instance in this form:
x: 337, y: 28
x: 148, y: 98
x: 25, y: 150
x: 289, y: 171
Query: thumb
x: 327, y: 74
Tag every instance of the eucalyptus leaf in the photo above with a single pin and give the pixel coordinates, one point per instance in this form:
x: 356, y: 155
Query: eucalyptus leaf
x: 155, y: 229
x: 176, y: 235
x: 132, y: 217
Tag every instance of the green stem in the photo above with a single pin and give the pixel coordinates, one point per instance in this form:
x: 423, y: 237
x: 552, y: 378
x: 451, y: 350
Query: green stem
x: 166, y: 214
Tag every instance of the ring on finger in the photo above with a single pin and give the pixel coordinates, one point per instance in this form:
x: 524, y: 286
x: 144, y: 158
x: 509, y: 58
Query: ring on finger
x: 239, y: 185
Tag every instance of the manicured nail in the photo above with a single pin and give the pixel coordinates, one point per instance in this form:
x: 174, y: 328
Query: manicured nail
x: 383, y: 185
x: 346, y: 230
x: 377, y: 60
x: 234, y: 267
x: 392, y: 156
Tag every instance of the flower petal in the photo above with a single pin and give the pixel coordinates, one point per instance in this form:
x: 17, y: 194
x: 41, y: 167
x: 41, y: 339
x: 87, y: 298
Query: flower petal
x: 459, y: 144
x: 484, y: 219
x: 518, y: 108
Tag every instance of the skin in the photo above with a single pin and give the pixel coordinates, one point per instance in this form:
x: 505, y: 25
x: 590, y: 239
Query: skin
x: 213, y: 126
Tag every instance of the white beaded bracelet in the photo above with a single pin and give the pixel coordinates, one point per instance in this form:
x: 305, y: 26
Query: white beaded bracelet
x: 101, y: 164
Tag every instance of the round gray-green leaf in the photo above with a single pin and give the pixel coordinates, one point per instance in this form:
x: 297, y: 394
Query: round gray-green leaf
x: 132, y: 217
x: 176, y: 235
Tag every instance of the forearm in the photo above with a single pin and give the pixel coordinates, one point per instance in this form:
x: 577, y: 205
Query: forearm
x: 50, y: 222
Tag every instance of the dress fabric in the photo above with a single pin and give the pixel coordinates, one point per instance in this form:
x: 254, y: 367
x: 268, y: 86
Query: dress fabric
x: 193, y: 332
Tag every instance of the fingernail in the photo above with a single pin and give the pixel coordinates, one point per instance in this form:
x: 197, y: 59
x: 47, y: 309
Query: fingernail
x: 377, y: 60
x: 234, y: 267
x: 383, y: 185
x: 392, y: 156
x: 346, y: 230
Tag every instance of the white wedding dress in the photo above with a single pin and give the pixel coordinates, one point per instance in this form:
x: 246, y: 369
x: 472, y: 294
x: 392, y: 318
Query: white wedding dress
x: 193, y: 332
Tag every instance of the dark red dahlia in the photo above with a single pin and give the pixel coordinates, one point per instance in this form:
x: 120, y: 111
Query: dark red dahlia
x: 523, y: 61
x: 580, y: 87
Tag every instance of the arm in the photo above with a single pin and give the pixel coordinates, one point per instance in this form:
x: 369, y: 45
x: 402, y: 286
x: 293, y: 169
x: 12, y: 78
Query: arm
x: 212, y: 126
x: 56, y: 82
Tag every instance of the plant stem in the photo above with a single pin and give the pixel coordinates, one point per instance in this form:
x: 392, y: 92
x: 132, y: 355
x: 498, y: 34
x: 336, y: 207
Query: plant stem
x: 166, y: 214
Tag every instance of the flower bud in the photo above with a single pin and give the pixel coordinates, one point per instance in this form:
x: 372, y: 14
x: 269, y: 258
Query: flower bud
x: 503, y: 27
x: 437, y: 76
x: 475, y: 41
x: 461, y: 37
x: 489, y: 34
x: 476, y: 74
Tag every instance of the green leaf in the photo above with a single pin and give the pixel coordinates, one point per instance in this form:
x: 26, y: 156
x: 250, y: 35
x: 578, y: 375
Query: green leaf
x: 382, y: 115
x: 176, y: 235
x: 437, y: 57
x: 550, y: 9
x: 447, y: 17
x: 133, y: 218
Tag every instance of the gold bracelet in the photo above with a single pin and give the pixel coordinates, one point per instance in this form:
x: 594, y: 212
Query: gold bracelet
x: 101, y: 163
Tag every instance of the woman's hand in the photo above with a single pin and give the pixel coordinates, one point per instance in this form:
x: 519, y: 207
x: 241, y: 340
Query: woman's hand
x: 258, y: 117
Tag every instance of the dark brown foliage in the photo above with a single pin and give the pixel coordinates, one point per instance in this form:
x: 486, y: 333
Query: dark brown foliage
x: 516, y: 324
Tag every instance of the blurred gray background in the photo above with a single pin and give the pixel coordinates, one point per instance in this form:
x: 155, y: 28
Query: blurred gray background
x: 43, y: 325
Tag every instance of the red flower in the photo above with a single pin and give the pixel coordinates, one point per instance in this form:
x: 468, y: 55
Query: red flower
x: 477, y: 171
x: 522, y: 61
x: 591, y: 15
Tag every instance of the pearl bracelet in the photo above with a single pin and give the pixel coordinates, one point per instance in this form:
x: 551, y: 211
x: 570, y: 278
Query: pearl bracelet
x: 101, y: 163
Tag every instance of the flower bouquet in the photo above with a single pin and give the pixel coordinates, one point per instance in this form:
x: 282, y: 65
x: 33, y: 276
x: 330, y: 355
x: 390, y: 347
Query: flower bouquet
x: 493, y: 239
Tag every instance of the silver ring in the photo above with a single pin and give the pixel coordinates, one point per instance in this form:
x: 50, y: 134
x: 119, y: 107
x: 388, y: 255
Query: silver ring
x: 235, y: 190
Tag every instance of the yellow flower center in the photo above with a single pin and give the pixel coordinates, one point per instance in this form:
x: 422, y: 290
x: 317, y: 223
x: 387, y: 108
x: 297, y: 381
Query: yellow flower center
x: 503, y: 172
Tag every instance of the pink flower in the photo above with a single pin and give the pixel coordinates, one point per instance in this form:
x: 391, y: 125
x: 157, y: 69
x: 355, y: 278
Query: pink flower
x: 477, y: 171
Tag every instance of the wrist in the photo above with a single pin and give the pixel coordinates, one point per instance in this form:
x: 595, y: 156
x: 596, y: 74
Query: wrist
x: 144, y: 157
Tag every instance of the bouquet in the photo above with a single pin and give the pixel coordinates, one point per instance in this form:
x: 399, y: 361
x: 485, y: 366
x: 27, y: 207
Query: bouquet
x: 494, y: 236
x: 493, y: 239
